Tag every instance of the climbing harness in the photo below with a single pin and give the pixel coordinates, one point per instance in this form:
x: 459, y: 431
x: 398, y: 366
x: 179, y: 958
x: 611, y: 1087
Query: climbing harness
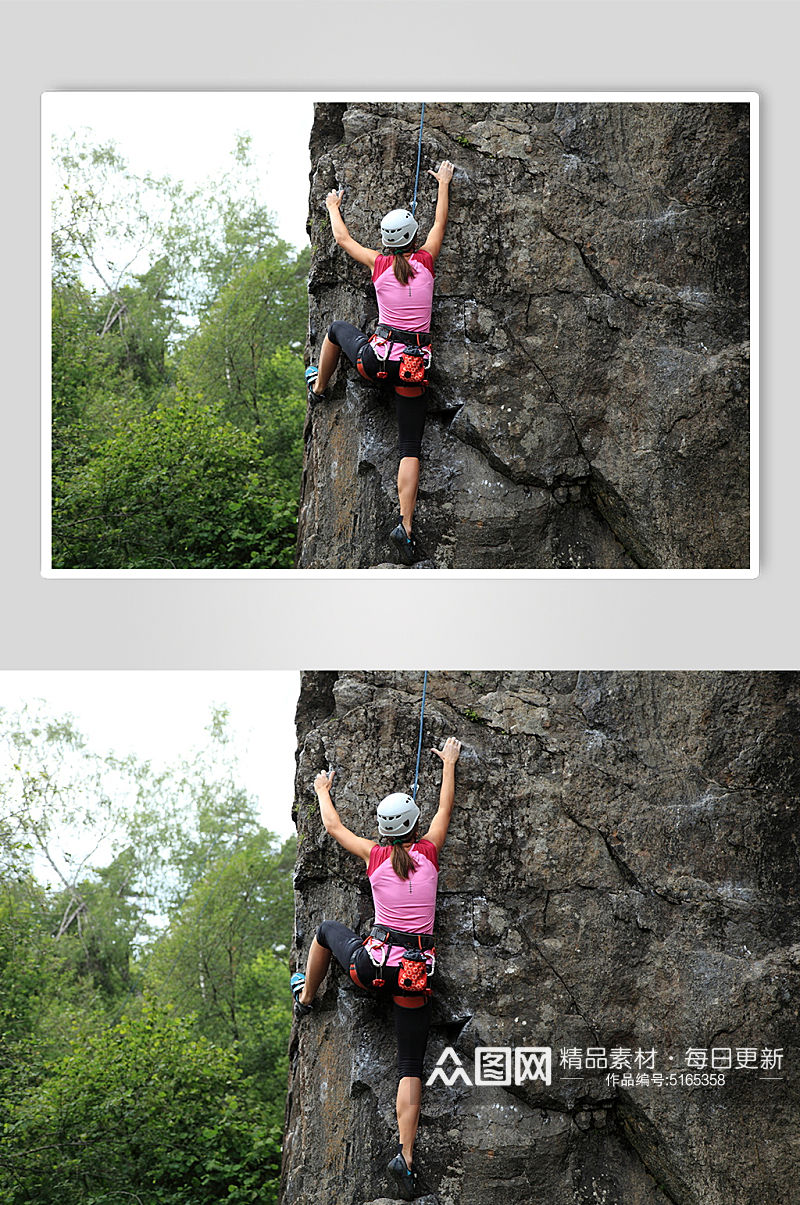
x: 419, y: 152
x: 396, y: 937
x: 416, y: 965
x: 415, y: 359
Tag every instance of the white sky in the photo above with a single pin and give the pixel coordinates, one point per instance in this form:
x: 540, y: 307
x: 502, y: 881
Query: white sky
x: 190, y: 136
x: 161, y: 716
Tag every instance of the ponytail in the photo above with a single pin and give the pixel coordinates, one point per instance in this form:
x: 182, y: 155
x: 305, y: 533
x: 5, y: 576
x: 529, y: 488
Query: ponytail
x: 402, y: 863
x: 403, y: 271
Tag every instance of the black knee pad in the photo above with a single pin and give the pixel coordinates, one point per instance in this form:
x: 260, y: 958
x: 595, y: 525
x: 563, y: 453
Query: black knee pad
x: 332, y: 334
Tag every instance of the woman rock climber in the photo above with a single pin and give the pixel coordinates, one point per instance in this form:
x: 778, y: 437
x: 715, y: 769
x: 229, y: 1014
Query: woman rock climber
x: 403, y: 875
x: 405, y: 298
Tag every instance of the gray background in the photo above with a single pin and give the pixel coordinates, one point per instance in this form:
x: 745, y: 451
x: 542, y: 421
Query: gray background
x: 400, y: 622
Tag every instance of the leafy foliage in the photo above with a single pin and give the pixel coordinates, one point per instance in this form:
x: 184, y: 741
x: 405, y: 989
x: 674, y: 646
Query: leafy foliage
x: 180, y: 488
x: 177, y: 372
x: 242, y: 355
x: 144, y: 1110
x: 225, y: 959
x: 144, y: 1011
x: 109, y: 223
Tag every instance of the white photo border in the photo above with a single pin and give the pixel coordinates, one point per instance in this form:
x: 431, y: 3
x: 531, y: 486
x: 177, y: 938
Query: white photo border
x: 49, y: 100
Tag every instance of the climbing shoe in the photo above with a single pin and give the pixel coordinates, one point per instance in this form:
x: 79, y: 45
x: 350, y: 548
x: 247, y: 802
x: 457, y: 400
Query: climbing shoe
x: 311, y: 374
x: 297, y: 983
x: 405, y: 1177
x: 405, y: 544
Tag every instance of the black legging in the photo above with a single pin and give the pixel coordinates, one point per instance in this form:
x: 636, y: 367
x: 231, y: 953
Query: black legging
x: 411, y: 411
x: 411, y: 1025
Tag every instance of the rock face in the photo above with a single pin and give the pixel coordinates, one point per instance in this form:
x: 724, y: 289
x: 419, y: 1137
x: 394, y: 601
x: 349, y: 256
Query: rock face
x: 621, y: 872
x: 589, y: 399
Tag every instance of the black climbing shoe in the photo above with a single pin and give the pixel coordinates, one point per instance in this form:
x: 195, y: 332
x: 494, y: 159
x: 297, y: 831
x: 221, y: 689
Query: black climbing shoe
x: 297, y: 983
x: 405, y: 1177
x: 311, y: 376
x: 405, y: 544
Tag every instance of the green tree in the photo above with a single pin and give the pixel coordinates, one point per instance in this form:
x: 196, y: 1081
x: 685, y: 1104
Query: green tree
x: 121, y: 844
x: 90, y: 389
x: 110, y: 223
x: 110, y: 366
x: 138, y: 262
x: 147, y: 1111
x: 225, y: 956
x: 104, y: 1094
x: 143, y: 834
x: 246, y: 353
x: 180, y: 488
x: 47, y: 994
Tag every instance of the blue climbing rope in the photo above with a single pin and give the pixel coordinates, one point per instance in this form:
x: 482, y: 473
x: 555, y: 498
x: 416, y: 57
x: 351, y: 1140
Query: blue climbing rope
x: 419, y: 152
x: 421, y: 719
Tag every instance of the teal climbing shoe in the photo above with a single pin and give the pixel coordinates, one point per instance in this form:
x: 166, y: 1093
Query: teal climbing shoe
x: 405, y: 1177
x: 311, y: 374
x: 405, y: 544
x: 297, y: 983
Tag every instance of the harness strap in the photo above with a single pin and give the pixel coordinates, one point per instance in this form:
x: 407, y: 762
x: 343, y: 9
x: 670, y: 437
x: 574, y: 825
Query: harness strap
x: 355, y: 977
x: 408, y: 1000
x: 420, y: 338
x: 396, y: 937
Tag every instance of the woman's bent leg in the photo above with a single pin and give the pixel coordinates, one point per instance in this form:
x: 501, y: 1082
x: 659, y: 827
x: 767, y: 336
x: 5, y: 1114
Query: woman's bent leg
x: 331, y: 938
x: 407, y: 488
x: 341, y: 337
x: 319, y: 959
x: 328, y: 359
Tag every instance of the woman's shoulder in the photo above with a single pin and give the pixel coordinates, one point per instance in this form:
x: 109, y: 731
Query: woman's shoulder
x: 425, y: 258
x: 382, y: 262
x: 428, y: 850
x: 378, y: 853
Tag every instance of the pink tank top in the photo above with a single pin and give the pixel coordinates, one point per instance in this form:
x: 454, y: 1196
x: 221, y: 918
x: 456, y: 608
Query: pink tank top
x: 406, y: 307
x: 406, y: 904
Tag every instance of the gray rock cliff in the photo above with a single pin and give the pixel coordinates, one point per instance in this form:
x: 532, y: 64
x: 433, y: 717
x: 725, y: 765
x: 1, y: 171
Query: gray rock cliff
x: 589, y: 400
x: 621, y: 872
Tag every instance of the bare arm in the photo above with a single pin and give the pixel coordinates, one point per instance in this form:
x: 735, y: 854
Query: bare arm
x: 333, y: 825
x: 447, y: 793
x: 342, y: 235
x: 444, y: 175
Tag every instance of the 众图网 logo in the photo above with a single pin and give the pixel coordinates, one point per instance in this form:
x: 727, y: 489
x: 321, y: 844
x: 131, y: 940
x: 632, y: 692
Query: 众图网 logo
x: 495, y: 1066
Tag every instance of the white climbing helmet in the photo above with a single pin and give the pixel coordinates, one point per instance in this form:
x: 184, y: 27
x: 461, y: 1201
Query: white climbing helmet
x: 398, y: 228
x: 397, y: 815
